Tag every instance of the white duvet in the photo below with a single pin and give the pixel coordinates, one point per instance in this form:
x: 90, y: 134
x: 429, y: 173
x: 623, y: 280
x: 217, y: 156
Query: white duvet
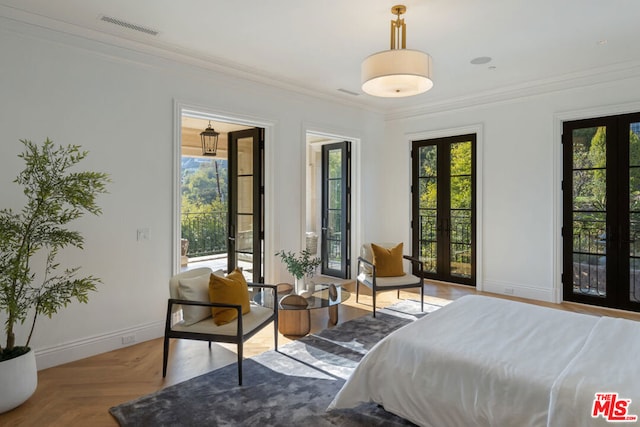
x: 483, y: 361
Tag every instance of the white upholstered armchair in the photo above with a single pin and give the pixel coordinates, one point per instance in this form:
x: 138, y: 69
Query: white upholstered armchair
x: 189, y: 293
x: 381, y: 268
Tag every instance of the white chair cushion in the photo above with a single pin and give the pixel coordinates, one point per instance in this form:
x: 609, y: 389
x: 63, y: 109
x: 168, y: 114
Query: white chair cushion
x: 381, y: 282
x: 174, y: 291
x: 195, y: 288
x: 250, y: 321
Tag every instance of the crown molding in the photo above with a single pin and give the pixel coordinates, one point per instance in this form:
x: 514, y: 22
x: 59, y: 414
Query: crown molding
x: 145, y: 45
x: 595, y: 77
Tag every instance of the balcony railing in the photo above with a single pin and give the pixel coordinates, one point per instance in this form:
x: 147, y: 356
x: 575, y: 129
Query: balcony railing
x: 589, y: 256
x: 459, y: 230
x: 206, y: 233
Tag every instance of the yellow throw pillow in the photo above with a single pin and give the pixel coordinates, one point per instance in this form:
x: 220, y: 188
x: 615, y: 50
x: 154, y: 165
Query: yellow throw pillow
x: 388, y: 262
x: 231, y: 289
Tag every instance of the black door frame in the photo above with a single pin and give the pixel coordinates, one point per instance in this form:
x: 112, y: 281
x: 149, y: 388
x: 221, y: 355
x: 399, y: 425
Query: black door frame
x: 345, y: 225
x: 443, y: 209
x: 617, y: 241
x: 257, y: 203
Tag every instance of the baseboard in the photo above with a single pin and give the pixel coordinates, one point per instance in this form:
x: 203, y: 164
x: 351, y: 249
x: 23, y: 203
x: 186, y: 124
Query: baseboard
x: 521, y: 291
x: 75, y: 350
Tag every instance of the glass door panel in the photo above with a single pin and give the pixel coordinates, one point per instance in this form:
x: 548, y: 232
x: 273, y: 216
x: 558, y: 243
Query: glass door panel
x: 460, y: 214
x: 245, y: 156
x: 634, y: 211
x: 589, y: 206
x: 334, y: 200
x: 428, y: 207
x: 244, y: 240
x: 246, y: 203
x: 335, y: 210
x: 601, y: 193
x: 245, y: 194
x: 443, y: 207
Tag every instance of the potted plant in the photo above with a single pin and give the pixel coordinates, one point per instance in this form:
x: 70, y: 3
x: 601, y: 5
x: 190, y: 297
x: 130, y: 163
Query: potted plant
x: 31, y: 283
x: 301, y: 266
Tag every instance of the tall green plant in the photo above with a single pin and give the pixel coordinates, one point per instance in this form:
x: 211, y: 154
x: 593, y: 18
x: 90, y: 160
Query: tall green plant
x: 55, y: 197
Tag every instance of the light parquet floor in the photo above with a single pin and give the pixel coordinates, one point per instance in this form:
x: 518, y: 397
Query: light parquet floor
x: 80, y: 393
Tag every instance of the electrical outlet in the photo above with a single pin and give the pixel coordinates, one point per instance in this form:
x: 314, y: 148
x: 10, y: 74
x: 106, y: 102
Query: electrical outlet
x: 129, y: 339
x: 142, y: 234
x: 508, y: 291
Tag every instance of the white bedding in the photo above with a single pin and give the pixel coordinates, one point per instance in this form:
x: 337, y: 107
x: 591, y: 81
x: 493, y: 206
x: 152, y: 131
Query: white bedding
x: 488, y: 362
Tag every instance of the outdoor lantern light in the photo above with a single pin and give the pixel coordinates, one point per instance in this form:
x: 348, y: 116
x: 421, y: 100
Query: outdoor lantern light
x: 209, y: 139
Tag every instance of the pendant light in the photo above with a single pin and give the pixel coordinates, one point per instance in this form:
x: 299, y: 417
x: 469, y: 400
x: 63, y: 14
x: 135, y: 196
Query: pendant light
x: 209, y: 138
x: 397, y: 72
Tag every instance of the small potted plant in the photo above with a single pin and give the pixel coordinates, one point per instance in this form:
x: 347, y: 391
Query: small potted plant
x: 302, y: 267
x: 30, y: 281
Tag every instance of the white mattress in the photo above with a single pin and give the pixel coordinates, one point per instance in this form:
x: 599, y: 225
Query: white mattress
x: 489, y: 362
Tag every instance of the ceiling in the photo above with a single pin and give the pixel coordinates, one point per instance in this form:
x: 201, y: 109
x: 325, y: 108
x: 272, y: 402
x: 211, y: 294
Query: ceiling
x: 317, y: 47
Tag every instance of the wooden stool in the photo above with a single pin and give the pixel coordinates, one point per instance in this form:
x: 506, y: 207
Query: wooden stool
x: 293, y: 318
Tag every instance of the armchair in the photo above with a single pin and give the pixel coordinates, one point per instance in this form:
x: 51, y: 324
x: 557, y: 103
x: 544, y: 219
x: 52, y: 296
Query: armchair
x: 189, y: 293
x: 367, y: 273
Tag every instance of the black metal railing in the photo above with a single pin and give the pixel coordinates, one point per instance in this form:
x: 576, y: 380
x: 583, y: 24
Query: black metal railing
x: 459, y: 231
x: 589, y: 255
x: 206, y: 233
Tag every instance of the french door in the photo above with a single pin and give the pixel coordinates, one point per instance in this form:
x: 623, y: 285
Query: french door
x: 601, y: 211
x: 246, y: 202
x: 443, y: 207
x: 336, y: 209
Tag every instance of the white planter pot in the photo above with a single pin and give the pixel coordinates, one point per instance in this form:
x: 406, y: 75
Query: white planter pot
x: 299, y: 285
x: 19, y: 379
x: 304, y: 287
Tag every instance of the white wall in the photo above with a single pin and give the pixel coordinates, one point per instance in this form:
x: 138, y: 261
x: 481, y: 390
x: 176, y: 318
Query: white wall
x: 119, y: 105
x: 520, y: 177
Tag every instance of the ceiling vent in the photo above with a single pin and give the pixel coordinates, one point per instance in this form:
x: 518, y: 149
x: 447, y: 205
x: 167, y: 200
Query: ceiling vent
x: 128, y: 25
x: 349, y: 92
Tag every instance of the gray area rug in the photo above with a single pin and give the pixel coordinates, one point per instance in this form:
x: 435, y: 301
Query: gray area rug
x: 292, y: 386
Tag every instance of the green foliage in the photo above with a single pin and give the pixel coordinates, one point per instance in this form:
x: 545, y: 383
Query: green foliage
x: 590, y: 187
x: 335, y: 176
x: 461, y: 182
x: 55, y: 197
x: 460, y: 171
x: 598, y: 159
x: 429, y: 172
x: 205, y: 186
x: 204, y: 205
x: 299, y: 266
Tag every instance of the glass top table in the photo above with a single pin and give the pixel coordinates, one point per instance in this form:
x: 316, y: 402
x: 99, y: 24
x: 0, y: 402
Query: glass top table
x: 322, y: 297
x: 294, y: 310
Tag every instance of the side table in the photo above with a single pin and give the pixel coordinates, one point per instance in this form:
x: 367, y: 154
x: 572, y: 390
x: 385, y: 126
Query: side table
x: 294, y: 311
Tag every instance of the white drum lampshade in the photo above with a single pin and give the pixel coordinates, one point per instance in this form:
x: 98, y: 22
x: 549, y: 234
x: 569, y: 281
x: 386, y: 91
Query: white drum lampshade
x: 397, y: 73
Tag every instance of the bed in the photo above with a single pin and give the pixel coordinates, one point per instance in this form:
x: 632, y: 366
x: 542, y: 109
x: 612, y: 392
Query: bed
x: 484, y: 361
